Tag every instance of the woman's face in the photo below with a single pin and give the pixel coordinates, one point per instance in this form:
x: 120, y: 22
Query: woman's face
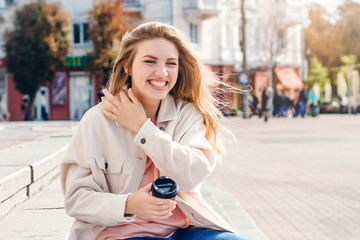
x: 154, y: 70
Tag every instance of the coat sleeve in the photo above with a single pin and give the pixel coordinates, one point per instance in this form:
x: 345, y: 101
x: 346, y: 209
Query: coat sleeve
x: 86, y: 194
x: 187, y: 157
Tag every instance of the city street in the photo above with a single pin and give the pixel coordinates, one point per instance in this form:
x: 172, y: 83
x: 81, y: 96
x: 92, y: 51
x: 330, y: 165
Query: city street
x: 297, y: 178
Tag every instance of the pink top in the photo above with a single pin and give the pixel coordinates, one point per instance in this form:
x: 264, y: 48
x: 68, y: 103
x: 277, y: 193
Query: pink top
x: 143, y: 227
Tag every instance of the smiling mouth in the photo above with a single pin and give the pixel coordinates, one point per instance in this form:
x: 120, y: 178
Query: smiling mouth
x: 158, y: 84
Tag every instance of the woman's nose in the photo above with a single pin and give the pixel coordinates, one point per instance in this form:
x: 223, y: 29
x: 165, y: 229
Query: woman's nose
x: 161, y: 71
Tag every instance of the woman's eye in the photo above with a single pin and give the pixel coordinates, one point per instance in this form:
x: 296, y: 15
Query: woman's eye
x: 149, y: 61
x: 172, y: 63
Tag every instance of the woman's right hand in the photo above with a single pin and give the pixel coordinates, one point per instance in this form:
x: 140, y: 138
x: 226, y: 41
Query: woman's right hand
x: 143, y: 204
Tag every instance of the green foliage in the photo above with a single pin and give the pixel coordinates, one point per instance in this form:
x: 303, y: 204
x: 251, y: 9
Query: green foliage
x: 348, y: 62
x: 36, y: 46
x: 318, y: 74
x: 108, y: 24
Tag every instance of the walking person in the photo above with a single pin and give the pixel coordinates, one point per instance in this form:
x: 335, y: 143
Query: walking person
x: 279, y: 102
x: 266, y: 101
x: 302, y: 102
x: 254, y: 105
x: 4, y: 113
x: 156, y: 119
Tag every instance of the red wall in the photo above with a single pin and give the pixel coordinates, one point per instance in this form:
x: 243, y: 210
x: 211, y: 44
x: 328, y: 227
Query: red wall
x: 15, y: 99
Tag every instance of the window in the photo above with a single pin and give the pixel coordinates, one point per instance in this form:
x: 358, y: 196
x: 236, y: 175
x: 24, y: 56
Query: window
x: 9, y: 2
x: 194, y: 33
x: 81, y: 34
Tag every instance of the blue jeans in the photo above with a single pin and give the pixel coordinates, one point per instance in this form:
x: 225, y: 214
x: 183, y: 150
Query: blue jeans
x: 195, y: 233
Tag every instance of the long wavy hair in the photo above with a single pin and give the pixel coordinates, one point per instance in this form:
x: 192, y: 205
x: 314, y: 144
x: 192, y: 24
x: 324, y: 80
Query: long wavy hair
x: 193, y: 83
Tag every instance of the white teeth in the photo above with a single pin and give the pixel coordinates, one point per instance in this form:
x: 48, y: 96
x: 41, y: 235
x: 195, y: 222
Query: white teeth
x: 158, y: 84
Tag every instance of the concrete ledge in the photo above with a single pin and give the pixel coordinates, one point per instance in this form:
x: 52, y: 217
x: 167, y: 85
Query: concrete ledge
x: 15, y: 200
x: 48, y: 163
x: 13, y: 179
x: 19, y: 182
x: 229, y: 208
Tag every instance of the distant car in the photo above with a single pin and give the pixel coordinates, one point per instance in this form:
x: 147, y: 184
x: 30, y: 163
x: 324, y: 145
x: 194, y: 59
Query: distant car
x: 330, y: 107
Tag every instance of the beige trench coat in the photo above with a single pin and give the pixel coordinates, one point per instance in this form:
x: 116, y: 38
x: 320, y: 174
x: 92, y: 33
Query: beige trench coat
x: 105, y: 163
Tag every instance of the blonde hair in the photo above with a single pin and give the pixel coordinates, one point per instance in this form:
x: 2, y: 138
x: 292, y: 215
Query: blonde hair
x: 193, y: 84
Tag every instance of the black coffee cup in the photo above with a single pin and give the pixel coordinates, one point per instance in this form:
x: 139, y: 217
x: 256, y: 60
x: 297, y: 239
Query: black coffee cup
x: 164, y: 187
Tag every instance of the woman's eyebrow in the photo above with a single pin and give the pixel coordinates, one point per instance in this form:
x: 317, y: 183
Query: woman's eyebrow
x: 149, y: 56
x: 155, y: 58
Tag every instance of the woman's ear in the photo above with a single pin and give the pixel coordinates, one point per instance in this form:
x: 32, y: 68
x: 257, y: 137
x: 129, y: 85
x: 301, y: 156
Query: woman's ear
x: 126, y: 68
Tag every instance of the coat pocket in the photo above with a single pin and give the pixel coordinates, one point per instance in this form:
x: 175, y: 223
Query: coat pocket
x: 112, y: 170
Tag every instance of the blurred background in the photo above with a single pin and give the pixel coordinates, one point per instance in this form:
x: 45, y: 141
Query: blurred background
x: 298, y: 57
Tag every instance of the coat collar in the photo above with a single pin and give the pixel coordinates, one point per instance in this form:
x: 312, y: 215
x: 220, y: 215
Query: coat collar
x: 167, y: 111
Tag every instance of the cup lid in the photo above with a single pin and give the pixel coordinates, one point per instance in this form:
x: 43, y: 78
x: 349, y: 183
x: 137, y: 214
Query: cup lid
x: 164, y: 187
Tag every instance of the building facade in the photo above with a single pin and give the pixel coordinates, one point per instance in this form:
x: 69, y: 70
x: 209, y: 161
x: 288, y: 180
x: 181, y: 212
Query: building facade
x: 213, y: 26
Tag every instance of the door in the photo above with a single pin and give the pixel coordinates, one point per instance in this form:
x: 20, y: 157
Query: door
x: 81, y: 95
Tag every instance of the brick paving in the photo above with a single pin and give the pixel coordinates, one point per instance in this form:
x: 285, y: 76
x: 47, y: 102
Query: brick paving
x: 297, y: 178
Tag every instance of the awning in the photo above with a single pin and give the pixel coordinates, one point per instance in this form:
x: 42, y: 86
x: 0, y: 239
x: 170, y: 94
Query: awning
x: 289, y: 78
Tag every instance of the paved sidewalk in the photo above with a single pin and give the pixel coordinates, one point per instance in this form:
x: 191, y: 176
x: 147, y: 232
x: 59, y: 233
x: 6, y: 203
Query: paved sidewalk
x: 297, y: 178
x: 29, y: 162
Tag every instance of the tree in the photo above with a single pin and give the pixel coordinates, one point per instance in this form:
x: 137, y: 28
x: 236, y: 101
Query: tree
x: 108, y: 24
x: 321, y: 37
x: 36, y: 47
x: 349, y: 32
x: 277, y: 31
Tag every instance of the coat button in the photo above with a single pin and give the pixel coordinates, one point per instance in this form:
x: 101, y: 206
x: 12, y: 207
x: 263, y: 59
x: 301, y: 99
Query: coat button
x: 161, y: 128
x: 143, y: 141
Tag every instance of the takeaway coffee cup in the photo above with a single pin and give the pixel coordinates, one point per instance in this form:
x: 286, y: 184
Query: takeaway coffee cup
x: 164, y: 187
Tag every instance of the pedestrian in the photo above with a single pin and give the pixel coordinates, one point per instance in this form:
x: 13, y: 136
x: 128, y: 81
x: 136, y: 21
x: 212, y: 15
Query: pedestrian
x: 44, y: 113
x: 4, y: 114
x: 254, y: 105
x: 157, y: 118
x: 302, y: 102
x: 100, y: 93
x: 279, y: 101
x: 313, y: 102
x: 266, y: 100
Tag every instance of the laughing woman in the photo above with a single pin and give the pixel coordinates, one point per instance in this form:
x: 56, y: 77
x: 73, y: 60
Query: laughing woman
x: 157, y: 118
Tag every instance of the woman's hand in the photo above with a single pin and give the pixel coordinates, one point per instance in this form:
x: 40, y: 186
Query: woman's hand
x: 143, y: 204
x: 125, y: 109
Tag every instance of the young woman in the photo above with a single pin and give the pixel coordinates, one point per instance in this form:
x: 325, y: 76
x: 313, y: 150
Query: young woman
x: 157, y: 118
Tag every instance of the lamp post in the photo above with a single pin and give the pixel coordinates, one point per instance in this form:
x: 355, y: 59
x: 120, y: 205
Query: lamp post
x: 349, y: 71
x: 243, y: 77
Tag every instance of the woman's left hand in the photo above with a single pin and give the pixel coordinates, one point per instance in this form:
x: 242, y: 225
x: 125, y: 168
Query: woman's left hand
x: 125, y: 109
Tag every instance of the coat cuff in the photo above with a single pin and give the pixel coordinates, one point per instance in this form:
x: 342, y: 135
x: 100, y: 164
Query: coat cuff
x: 146, y: 134
x: 118, y: 209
